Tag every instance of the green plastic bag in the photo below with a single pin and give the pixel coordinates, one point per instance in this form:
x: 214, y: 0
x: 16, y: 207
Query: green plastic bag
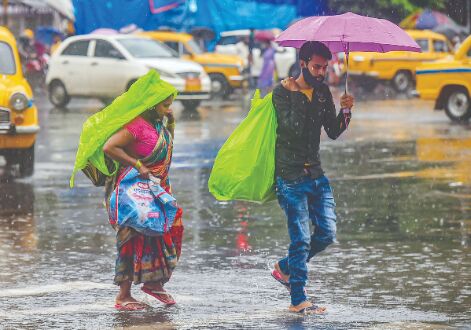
x: 146, y: 92
x: 244, y: 168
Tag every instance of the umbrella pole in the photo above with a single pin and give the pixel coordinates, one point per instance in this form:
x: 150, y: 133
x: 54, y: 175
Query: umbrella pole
x: 346, y: 73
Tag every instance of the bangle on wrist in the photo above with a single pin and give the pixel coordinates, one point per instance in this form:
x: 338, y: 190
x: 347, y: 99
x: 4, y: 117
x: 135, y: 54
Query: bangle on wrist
x: 138, y: 164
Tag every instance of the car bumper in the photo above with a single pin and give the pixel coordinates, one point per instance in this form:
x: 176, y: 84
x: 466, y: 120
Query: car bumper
x: 372, y: 74
x: 193, y: 96
x: 18, y: 130
x: 415, y: 93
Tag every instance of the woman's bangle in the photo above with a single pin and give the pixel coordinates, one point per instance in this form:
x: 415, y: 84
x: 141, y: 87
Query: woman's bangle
x: 138, y: 164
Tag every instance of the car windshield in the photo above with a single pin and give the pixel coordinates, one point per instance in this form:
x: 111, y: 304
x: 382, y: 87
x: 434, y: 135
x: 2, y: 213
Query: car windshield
x: 146, y: 48
x: 194, y: 47
x: 7, y: 61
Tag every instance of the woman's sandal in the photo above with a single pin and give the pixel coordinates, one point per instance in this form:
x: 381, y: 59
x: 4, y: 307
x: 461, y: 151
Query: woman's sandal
x: 158, y: 295
x: 128, y: 306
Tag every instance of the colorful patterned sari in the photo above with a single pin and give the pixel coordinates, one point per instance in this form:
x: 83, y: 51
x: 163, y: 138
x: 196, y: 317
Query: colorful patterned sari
x: 143, y: 258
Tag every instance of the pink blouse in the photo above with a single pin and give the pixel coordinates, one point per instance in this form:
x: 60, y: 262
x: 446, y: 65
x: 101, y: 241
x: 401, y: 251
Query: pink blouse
x: 145, y: 136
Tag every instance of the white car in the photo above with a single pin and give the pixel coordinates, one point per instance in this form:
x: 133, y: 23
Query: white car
x: 105, y: 66
x: 285, y: 57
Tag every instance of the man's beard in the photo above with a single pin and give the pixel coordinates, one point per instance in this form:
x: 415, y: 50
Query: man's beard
x: 314, y: 82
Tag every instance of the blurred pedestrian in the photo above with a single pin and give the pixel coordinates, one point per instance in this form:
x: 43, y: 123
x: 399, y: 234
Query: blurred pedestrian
x: 146, y: 144
x: 56, y: 41
x: 303, y: 106
x: 265, y: 79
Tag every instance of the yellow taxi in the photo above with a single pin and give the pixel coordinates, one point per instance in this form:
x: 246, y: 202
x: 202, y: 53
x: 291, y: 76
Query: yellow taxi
x: 18, y: 114
x: 225, y: 71
x: 398, y: 67
x: 448, y: 82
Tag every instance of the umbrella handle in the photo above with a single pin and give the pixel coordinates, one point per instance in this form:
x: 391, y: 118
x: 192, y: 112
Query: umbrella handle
x: 346, y: 61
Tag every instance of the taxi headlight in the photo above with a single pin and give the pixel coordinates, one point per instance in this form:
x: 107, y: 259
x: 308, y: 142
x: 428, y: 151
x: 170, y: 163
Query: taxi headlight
x: 162, y: 73
x: 19, y: 102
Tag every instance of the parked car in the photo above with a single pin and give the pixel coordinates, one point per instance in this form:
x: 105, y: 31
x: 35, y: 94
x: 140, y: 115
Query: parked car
x: 225, y: 71
x: 448, y: 82
x: 231, y: 42
x: 398, y: 67
x: 18, y: 114
x: 105, y: 66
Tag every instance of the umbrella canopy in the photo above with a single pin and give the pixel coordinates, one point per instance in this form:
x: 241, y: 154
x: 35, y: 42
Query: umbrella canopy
x: 348, y: 32
x: 264, y: 35
x: 424, y: 19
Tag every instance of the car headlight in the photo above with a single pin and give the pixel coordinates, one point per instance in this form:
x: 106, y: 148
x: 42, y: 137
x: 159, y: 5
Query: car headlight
x: 20, y: 102
x: 358, y: 58
x: 163, y: 74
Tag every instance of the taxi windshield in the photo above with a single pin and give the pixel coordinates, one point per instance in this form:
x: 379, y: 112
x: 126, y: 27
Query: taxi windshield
x: 7, y: 61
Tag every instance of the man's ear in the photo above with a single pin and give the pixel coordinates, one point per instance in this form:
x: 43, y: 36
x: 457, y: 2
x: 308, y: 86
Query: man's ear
x: 302, y: 63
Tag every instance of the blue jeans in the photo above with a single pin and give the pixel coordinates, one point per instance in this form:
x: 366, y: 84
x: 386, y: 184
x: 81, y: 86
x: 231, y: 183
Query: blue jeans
x: 305, y: 200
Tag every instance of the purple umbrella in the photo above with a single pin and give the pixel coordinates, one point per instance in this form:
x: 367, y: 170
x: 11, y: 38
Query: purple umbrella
x: 348, y: 32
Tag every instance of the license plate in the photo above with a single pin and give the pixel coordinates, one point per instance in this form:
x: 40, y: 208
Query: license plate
x: 193, y: 85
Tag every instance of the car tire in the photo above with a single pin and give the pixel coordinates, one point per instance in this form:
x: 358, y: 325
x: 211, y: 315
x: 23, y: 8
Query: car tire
x: 26, y: 161
x: 106, y: 100
x: 220, y: 87
x: 130, y: 84
x: 58, y: 94
x: 190, y: 105
x: 458, y: 105
x: 402, y: 81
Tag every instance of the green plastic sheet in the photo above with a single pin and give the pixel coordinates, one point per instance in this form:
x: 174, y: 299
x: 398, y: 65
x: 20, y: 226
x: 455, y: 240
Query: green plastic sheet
x: 145, y: 93
x: 244, y: 168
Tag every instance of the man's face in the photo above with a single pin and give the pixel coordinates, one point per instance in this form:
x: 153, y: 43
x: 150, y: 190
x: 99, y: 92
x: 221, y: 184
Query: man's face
x: 317, y: 66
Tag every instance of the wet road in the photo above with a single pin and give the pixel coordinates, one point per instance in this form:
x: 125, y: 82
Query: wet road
x: 402, y: 181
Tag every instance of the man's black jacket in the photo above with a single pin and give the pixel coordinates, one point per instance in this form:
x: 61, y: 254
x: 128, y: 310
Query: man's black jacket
x: 299, y: 130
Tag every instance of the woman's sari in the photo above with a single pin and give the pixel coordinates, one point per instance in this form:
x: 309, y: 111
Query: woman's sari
x: 143, y: 258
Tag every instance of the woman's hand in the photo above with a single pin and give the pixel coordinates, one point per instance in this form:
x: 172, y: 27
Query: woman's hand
x: 144, y: 172
x: 169, y: 115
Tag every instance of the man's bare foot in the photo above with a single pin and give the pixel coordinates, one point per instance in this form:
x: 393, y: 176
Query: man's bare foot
x: 306, y: 307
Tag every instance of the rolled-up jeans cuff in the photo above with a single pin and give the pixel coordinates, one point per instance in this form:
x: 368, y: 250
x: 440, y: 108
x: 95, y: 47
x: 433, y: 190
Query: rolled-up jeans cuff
x: 298, y: 295
x: 284, y: 267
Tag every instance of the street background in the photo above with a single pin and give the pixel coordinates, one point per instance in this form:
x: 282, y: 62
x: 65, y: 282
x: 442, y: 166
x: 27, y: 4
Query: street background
x: 402, y: 185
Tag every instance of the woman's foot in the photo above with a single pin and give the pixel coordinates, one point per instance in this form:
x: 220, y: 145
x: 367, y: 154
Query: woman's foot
x: 307, y: 307
x: 157, y: 291
x: 129, y: 304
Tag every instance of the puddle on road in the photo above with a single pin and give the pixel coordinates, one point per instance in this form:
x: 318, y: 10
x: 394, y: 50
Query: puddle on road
x: 402, y: 261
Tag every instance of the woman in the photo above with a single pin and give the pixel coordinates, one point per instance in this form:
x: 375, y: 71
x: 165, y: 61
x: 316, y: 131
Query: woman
x: 145, y: 143
x: 265, y: 79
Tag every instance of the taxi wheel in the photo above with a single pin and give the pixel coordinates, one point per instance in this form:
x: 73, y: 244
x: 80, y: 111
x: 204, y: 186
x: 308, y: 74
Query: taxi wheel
x: 219, y: 85
x: 402, y: 81
x: 190, y: 104
x: 26, y: 161
x: 458, y: 105
x: 58, y: 94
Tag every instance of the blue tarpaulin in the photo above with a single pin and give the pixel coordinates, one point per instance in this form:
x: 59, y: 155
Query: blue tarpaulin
x: 184, y: 15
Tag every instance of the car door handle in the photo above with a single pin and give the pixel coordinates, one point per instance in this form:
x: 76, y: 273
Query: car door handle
x: 65, y: 62
x: 94, y: 64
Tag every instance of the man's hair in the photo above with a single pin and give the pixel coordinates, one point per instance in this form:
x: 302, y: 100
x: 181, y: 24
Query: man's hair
x: 310, y: 48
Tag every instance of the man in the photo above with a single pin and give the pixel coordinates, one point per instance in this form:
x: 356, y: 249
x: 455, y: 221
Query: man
x: 303, y: 106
